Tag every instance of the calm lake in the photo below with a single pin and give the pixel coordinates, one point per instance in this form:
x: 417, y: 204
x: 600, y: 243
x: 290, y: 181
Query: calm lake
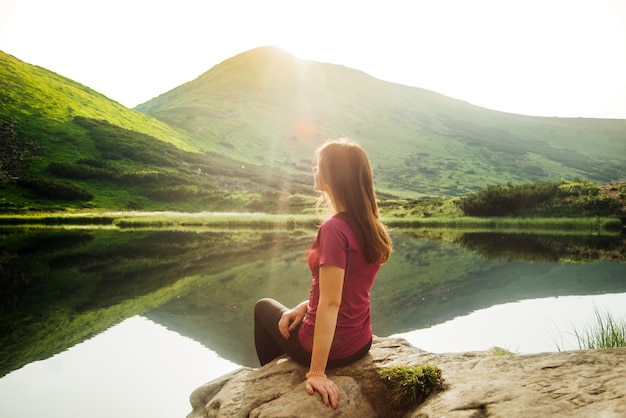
x: 107, y: 322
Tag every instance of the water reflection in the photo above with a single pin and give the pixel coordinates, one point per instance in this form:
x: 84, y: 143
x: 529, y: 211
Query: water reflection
x: 527, y: 326
x: 432, y: 281
x: 134, y: 369
x: 61, y: 287
x: 546, y: 247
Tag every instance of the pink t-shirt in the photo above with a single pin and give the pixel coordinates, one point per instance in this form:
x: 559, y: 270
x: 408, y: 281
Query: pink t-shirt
x: 337, y: 245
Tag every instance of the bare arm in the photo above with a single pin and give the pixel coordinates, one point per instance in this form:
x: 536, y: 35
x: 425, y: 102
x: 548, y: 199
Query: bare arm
x: 331, y: 286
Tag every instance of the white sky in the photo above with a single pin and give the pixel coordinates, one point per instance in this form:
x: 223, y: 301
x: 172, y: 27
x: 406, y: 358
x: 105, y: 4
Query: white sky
x: 539, y: 57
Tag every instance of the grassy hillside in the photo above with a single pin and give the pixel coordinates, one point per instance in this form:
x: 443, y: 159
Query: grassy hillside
x: 241, y: 137
x: 266, y: 106
x: 41, y: 101
x: 67, y: 146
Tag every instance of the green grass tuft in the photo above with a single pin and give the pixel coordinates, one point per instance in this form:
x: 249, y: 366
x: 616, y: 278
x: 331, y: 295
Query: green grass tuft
x: 607, y: 332
x: 412, y: 384
x: 499, y: 351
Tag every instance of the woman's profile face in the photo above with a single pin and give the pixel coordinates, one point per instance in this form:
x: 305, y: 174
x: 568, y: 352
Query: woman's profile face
x: 317, y: 180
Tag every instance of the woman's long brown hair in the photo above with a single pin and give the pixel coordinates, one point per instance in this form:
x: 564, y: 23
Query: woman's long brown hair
x: 345, y: 169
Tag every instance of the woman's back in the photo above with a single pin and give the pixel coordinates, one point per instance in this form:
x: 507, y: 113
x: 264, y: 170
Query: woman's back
x: 336, y: 244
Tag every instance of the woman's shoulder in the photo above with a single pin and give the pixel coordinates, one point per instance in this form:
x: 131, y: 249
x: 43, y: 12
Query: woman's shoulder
x: 338, y: 225
x: 337, y: 221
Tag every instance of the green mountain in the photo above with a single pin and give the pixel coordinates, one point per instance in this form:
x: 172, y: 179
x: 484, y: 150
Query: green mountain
x: 64, y: 145
x: 267, y: 107
x: 242, y: 137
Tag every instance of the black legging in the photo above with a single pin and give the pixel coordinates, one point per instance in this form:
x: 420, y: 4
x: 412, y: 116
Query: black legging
x: 270, y: 344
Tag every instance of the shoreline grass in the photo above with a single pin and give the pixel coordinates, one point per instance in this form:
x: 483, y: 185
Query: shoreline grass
x: 163, y: 219
x: 607, y: 224
x: 128, y: 219
x: 607, y: 332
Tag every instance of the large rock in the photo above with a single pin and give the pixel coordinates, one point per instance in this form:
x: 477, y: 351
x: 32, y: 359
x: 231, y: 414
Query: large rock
x: 589, y: 383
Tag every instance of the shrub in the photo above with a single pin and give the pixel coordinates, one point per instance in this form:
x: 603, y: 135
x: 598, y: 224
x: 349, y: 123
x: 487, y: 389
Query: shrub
x: 92, y: 162
x: 80, y: 171
x: 170, y: 194
x: 496, y: 200
x: 55, y: 189
x: 578, y: 188
x: 563, y: 199
x: 138, y: 178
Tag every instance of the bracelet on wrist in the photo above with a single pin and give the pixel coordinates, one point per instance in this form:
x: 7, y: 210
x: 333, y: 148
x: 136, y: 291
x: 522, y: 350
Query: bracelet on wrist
x: 320, y: 374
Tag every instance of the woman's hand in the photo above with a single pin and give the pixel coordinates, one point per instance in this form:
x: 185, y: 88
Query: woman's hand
x: 290, y: 319
x: 326, y: 388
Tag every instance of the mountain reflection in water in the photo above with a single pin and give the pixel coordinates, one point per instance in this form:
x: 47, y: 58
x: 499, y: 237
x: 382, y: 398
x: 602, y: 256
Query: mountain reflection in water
x: 61, y: 287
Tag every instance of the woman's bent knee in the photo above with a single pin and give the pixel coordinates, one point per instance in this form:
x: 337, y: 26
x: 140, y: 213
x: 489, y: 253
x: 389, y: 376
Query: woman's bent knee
x: 262, y: 305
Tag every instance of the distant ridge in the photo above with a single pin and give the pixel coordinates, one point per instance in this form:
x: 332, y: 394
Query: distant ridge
x: 254, y: 105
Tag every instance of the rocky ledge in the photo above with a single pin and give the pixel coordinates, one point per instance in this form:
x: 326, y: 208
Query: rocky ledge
x: 586, y: 383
